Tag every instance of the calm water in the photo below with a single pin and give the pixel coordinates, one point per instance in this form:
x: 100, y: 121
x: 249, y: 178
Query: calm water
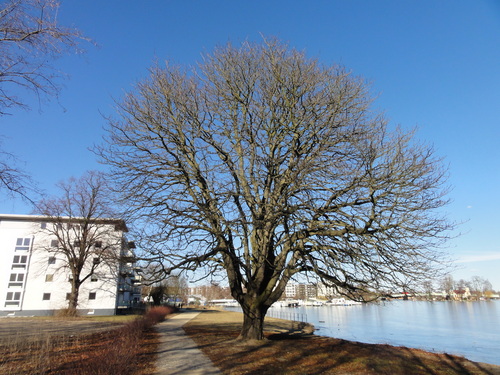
x: 471, y: 329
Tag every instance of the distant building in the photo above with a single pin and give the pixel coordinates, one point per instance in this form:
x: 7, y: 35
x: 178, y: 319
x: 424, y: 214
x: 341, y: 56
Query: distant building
x: 325, y: 291
x: 301, y: 291
x: 34, y: 282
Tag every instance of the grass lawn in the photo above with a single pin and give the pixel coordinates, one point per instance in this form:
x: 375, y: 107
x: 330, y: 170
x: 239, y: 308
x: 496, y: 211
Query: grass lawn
x: 287, y: 351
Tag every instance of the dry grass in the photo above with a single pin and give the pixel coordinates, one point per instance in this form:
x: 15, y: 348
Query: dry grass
x: 288, y: 352
x: 126, y: 350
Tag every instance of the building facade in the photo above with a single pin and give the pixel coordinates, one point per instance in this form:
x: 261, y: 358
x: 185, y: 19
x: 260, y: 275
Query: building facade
x: 35, y: 278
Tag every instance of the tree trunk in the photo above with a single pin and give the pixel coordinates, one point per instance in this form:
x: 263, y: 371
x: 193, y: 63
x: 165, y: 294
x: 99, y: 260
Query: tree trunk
x: 73, y: 298
x: 253, y: 323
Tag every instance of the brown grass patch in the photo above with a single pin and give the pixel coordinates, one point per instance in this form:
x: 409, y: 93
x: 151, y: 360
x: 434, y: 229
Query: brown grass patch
x: 287, y: 351
x: 127, y: 350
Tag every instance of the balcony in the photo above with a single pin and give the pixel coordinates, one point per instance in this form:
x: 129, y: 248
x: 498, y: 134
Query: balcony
x: 127, y: 272
x: 124, y: 287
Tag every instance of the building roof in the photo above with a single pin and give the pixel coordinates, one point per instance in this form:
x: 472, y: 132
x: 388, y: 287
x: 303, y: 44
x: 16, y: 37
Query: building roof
x: 120, y: 223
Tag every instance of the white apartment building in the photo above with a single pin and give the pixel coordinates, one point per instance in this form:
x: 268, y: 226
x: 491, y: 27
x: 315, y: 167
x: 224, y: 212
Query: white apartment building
x: 301, y: 290
x: 35, y: 281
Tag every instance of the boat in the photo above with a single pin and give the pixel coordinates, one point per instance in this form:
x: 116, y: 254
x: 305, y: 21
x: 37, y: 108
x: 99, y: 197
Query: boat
x: 341, y: 302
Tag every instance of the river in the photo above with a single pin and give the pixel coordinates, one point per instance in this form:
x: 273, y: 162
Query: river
x: 470, y: 329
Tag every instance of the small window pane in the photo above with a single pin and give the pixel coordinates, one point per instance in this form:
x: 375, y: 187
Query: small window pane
x: 54, y: 243
x: 52, y: 260
x: 19, y: 242
x: 92, y: 295
x: 49, y: 278
x: 46, y: 297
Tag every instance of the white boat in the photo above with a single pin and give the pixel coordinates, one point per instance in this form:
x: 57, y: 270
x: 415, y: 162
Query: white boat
x: 313, y: 302
x: 341, y: 302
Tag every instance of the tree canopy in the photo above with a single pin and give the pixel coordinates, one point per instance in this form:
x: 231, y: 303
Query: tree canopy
x: 30, y: 39
x: 266, y: 164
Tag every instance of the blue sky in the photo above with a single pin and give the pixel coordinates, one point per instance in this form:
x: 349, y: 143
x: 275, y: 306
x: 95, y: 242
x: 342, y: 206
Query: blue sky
x: 433, y: 64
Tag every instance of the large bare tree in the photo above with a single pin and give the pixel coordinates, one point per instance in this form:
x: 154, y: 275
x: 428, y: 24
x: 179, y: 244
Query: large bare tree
x: 31, y: 37
x: 13, y: 180
x: 266, y: 164
x: 83, y: 231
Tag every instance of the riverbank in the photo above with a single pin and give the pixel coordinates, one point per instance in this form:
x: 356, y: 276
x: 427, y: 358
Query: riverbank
x: 288, y: 352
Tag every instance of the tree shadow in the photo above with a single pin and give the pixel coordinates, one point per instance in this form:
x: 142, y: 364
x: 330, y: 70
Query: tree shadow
x: 293, y: 352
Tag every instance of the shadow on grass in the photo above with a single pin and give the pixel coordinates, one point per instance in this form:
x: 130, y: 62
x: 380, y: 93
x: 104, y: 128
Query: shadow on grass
x: 288, y: 352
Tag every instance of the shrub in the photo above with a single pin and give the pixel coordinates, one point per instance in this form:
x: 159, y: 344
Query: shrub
x: 110, y: 352
x: 66, y: 313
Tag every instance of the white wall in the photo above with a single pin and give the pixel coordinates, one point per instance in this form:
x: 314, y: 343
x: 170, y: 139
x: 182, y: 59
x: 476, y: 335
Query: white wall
x: 35, y: 283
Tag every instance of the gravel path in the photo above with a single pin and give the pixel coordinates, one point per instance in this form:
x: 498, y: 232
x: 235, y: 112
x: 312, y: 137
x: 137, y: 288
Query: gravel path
x: 178, y: 354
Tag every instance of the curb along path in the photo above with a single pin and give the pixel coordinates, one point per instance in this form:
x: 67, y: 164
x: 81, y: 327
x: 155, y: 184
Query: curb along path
x: 178, y: 353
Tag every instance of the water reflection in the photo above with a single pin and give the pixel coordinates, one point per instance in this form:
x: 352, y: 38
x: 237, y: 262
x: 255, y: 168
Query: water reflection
x: 471, y: 329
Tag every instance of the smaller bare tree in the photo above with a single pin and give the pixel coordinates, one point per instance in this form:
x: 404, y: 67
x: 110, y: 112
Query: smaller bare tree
x: 447, y: 284
x: 82, y: 231
x: 177, y: 288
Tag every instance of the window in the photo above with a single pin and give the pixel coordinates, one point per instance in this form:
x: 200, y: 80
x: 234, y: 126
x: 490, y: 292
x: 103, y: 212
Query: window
x: 76, y: 243
x: 68, y: 296
x: 52, y: 260
x: 16, y: 279
x: 54, y: 243
x: 93, y: 278
x: 19, y: 261
x: 13, y: 299
x: 23, y: 244
x: 49, y: 278
x: 96, y: 260
x: 46, y: 297
x: 92, y: 295
x: 98, y: 244
x: 16, y: 276
x: 43, y: 225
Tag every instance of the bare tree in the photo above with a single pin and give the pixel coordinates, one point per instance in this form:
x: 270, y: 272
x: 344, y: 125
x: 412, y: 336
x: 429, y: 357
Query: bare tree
x: 177, y: 288
x: 13, y: 180
x: 447, y: 284
x: 265, y: 164
x: 30, y: 39
x: 82, y: 233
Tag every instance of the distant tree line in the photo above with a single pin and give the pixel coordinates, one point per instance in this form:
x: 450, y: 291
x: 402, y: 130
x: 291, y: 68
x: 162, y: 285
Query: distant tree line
x: 449, y: 288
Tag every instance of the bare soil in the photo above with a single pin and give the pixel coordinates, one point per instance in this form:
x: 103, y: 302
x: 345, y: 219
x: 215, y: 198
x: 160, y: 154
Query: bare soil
x: 288, y: 351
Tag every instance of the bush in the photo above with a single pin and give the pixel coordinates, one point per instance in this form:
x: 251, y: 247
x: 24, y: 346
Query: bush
x: 117, y: 357
x: 66, y: 313
x: 110, y: 352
